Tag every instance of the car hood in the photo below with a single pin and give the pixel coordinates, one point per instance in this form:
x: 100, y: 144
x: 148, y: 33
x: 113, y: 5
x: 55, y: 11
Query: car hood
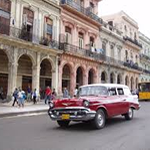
x: 73, y: 102
x: 68, y: 102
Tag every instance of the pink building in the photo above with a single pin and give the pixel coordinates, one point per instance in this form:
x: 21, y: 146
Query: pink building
x: 80, y: 27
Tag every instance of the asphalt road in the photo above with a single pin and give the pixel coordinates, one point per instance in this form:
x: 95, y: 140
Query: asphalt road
x: 40, y: 133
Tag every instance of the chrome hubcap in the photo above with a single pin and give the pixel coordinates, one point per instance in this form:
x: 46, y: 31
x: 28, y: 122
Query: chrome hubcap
x: 100, y: 119
x: 130, y: 113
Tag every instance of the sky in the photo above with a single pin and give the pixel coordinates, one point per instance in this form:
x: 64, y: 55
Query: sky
x: 138, y: 10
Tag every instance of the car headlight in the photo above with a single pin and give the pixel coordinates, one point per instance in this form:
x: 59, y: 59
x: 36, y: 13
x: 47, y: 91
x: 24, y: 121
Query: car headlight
x: 51, y: 105
x: 86, y: 103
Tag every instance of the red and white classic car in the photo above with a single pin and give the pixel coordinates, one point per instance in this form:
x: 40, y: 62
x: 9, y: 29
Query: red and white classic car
x: 95, y: 103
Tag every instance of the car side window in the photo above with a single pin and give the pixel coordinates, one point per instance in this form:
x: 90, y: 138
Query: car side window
x: 112, y: 91
x: 120, y: 91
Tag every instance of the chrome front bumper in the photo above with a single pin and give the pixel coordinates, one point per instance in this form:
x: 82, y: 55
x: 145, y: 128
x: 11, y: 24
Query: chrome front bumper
x: 74, y: 113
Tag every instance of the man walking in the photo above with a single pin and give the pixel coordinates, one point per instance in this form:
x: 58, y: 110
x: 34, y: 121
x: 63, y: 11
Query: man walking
x: 48, y: 93
x: 15, y: 95
x: 34, y: 96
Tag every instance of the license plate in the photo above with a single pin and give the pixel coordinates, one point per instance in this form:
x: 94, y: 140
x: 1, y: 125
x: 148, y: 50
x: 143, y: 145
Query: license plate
x: 65, y: 116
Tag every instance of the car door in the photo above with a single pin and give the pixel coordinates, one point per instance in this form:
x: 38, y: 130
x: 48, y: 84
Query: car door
x: 124, y: 104
x: 113, y: 102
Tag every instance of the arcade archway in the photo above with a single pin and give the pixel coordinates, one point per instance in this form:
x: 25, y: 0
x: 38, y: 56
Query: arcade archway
x: 3, y: 73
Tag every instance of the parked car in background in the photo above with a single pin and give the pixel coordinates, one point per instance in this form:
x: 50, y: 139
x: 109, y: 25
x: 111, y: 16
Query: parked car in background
x: 95, y: 103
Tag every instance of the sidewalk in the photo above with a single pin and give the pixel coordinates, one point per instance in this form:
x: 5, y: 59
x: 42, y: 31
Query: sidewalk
x: 6, y: 109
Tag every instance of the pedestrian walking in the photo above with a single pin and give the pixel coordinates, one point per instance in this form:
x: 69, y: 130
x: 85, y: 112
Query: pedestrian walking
x: 54, y: 94
x: 75, y: 92
x: 28, y: 93
x: 21, y: 97
x: 15, y: 96
x: 48, y: 93
x: 65, y: 93
x: 34, y: 95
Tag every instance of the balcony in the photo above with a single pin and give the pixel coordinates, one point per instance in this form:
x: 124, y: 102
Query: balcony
x: 144, y: 56
x: 86, y: 11
x: 146, y: 71
x: 132, y: 41
x: 132, y: 65
x: 61, y: 45
x: 23, y: 34
x: 68, y: 48
x: 112, y: 29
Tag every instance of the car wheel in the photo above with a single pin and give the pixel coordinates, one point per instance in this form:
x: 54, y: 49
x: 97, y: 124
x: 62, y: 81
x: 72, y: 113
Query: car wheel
x: 129, y: 114
x: 99, y: 120
x: 62, y: 123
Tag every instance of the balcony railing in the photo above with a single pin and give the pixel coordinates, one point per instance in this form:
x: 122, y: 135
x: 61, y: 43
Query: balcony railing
x: 23, y: 34
x: 86, y: 11
x: 132, y: 65
x: 99, y: 57
x: 61, y: 45
x: 145, y: 56
x: 132, y: 41
x: 146, y: 71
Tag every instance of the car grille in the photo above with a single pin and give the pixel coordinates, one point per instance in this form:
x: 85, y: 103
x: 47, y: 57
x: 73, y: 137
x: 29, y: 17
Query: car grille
x: 69, y: 111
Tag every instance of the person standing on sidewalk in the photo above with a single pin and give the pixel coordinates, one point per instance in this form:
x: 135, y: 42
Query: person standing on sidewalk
x: 65, y: 93
x: 15, y: 96
x: 21, y: 97
x: 54, y: 94
x: 28, y: 93
x: 34, y: 96
x: 48, y: 93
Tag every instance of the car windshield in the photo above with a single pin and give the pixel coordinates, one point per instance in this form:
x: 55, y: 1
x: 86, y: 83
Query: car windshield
x: 92, y: 91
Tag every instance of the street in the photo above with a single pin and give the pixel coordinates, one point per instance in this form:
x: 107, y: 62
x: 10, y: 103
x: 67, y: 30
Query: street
x: 40, y: 133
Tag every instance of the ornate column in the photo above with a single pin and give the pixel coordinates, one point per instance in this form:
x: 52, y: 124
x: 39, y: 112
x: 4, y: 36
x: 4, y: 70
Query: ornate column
x: 72, y: 82
x: 36, y: 74
x: 85, y: 78
x: 123, y: 79
x: 115, y: 77
x: 75, y: 35
x: 12, y: 78
x: 57, y: 28
x: 60, y: 73
x: 55, y: 75
x: 12, y: 73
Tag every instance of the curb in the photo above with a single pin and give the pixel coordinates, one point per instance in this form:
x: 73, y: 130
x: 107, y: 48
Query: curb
x: 11, y: 114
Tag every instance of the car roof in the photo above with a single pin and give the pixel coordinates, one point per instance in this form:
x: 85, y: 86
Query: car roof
x: 106, y: 85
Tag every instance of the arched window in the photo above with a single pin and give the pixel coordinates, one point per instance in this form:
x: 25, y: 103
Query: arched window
x: 103, y: 77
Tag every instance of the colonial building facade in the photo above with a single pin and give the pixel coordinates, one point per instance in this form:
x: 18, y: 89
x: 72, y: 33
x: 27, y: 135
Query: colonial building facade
x: 80, y: 27
x: 28, y: 48
x: 65, y: 44
x: 120, y: 42
x: 145, y: 58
